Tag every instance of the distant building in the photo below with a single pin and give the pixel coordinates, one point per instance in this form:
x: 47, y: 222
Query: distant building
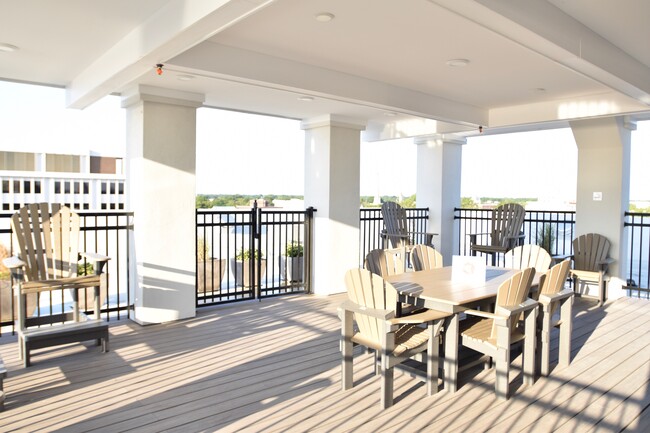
x: 83, y: 182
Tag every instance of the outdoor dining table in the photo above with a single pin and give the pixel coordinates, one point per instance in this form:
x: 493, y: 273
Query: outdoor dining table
x: 435, y: 289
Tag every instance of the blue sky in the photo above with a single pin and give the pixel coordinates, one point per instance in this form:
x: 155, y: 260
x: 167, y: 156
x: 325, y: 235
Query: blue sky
x: 250, y: 154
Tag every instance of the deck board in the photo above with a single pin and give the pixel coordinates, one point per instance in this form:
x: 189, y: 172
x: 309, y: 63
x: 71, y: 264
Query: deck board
x: 274, y: 366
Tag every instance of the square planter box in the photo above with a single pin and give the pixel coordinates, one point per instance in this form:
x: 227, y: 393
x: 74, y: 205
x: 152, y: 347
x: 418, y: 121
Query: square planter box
x: 210, y: 274
x: 291, y: 268
x: 242, y: 272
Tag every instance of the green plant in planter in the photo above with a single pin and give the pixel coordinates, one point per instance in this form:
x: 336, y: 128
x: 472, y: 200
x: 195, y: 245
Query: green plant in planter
x: 546, y: 238
x: 247, y: 254
x: 294, y: 249
x: 85, y: 269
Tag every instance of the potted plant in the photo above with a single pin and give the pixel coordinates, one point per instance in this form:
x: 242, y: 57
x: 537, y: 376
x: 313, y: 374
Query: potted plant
x: 241, y: 266
x: 546, y: 238
x: 210, y: 270
x: 291, y: 263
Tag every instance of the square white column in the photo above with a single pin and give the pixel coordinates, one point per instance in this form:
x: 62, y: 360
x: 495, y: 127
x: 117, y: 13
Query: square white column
x: 160, y: 170
x: 332, y: 156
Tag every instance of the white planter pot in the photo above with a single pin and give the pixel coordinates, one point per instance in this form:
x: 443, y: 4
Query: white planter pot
x: 243, y: 273
x: 291, y: 268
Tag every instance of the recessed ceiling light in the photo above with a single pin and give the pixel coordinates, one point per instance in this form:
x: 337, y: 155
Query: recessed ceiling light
x: 8, y: 48
x: 457, y: 63
x: 305, y: 98
x: 186, y: 77
x: 324, y: 17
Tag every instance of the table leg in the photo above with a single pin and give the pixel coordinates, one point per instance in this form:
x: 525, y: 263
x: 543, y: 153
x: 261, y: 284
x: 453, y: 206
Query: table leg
x: 451, y: 353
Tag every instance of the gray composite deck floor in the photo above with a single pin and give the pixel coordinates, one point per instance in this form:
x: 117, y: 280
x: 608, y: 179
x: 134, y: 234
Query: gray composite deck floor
x: 274, y: 366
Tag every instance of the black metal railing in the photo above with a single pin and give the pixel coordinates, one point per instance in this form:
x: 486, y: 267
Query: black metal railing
x: 371, y: 225
x: 252, y: 254
x: 559, y: 226
x: 107, y: 233
x: 637, y: 226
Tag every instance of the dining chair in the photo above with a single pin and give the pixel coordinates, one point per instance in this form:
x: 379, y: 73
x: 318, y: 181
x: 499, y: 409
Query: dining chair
x: 553, y: 296
x: 425, y: 257
x: 590, y: 263
x: 505, y: 231
x: 493, y: 333
x: 368, y: 318
x: 48, y: 261
x: 386, y: 262
x: 527, y: 256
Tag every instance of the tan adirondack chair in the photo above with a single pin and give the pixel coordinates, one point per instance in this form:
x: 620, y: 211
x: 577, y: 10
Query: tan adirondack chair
x: 528, y: 256
x: 371, y: 306
x: 590, y: 262
x: 505, y: 232
x: 493, y: 333
x: 424, y: 257
x: 552, y: 295
x: 396, y: 227
x: 386, y: 262
x: 48, y: 244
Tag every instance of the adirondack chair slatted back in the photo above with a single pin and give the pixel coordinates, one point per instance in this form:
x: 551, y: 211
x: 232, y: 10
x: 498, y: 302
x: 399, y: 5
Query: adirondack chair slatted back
x: 48, y: 241
x: 396, y: 224
x: 552, y: 282
x: 528, y: 256
x: 370, y: 291
x: 589, y: 250
x: 513, y: 291
x: 507, y: 221
x: 386, y: 262
x: 424, y: 257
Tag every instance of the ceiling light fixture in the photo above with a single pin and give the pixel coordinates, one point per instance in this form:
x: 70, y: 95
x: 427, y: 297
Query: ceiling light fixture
x: 185, y: 77
x: 8, y: 48
x: 305, y: 98
x: 457, y: 63
x: 324, y: 17
x: 159, y: 68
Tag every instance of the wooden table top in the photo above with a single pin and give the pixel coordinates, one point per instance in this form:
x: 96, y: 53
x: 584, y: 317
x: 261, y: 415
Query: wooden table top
x: 436, y: 285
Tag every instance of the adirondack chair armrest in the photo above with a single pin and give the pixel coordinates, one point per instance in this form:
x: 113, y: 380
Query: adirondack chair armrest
x: 560, y: 257
x: 371, y: 312
x: 604, y: 264
x: 548, y: 299
x: 98, y: 260
x: 512, y: 310
x: 15, y: 265
x: 472, y: 236
x: 423, y: 317
x: 483, y: 314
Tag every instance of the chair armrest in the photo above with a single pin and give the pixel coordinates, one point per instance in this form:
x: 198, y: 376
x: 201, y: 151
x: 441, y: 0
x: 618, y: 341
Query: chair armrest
x: 13, y: 262
x: 483, y: 314
x: 423, y: 317
x: 547, y: 299
x: 425, y: 233
x: 15, y: 266
x: 377, y: 314
x: 561, y: 257
x: 608, y: 261
x: 512, y: 310
x: 98, y: 260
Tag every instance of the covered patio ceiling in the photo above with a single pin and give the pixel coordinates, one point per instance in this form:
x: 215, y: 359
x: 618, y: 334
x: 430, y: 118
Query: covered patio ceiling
x: 381, y: 62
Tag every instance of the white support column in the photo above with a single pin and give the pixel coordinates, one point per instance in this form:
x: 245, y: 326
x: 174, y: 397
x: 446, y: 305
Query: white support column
x: 439, y: 161
x: 160, y: 169
x: 603, y: 193
x: 332, y: 156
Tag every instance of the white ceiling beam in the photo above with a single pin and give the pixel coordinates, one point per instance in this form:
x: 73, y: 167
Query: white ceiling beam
x: 547, y: 30
x: 257, y: 69
x: 176, y: 27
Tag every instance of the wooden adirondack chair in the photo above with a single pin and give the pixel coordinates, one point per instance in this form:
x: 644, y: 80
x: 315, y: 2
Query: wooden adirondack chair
x: 371, y: 305
x: 505, y: 232
x: 528, y: 256
x: 386, y: 262
x: 590, y: 262
x: 552, y: 295
x: 396, y: 227
x: 493, y: 333
x: 425, y: 257
x: 48, y: 257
